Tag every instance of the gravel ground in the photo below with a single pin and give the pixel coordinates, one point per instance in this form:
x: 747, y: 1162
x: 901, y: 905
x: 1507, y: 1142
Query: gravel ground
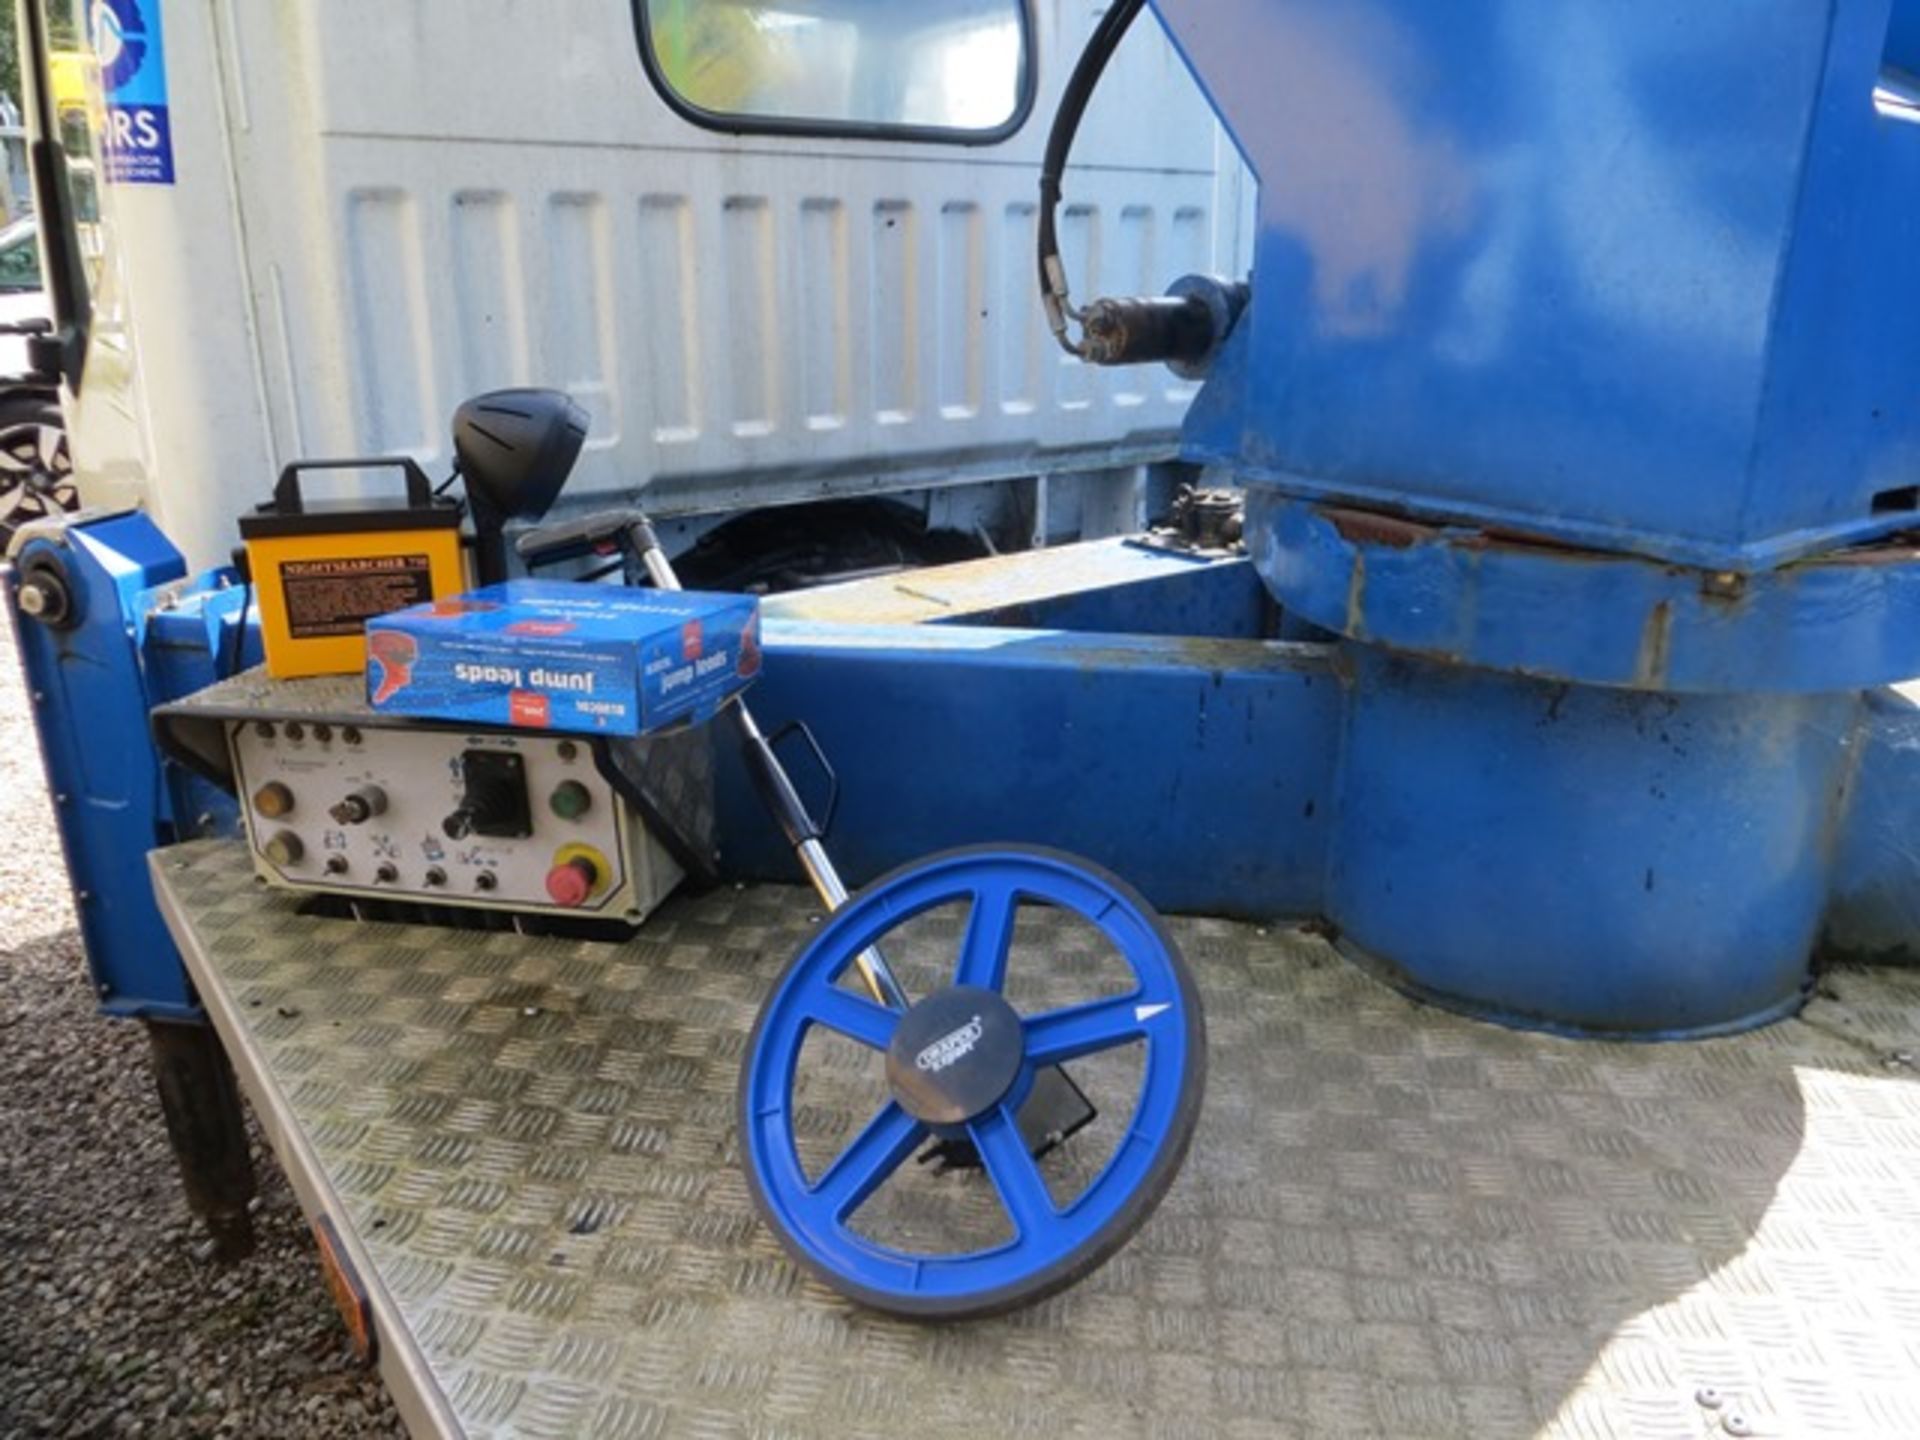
x: 111, y: 1320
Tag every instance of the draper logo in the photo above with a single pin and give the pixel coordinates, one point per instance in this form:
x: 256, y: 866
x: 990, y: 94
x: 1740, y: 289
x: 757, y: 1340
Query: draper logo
x: 953, y: 1046
x: 120, y: 40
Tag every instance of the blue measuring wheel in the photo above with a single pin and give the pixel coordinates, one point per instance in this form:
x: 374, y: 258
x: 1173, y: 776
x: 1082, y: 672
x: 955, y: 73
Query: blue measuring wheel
x: 961, y: 1071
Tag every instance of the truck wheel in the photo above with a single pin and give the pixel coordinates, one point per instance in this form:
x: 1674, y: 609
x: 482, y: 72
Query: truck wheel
x: 36, y: 470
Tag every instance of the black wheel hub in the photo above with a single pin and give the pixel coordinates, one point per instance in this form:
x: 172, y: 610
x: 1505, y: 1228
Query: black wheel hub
x: 955, y: 1055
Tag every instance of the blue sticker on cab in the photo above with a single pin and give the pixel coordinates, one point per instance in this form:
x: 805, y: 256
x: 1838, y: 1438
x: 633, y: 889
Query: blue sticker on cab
x: 127, y: 39
x: 562, y: 655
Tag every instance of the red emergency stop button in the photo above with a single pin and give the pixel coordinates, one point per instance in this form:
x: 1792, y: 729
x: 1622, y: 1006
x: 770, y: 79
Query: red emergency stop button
x: 572, y: 881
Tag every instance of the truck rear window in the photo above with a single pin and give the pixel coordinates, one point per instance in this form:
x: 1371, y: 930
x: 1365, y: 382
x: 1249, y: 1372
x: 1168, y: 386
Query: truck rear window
x: 958, y: 71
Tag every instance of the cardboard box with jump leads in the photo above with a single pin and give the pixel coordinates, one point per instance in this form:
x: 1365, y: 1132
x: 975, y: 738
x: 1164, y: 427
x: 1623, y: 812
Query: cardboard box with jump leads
x: 562, y: 655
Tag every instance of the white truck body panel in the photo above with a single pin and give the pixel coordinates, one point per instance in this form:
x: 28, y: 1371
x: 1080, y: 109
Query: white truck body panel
x: 383, y: 206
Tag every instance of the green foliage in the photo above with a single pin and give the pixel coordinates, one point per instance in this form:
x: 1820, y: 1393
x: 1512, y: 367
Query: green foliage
x: 10, y: 55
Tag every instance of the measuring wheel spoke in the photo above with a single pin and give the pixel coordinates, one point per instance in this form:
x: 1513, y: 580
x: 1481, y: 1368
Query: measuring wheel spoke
x: 870, y: 1157
x: 983, y: 952
x: 1055, y: 1036
x: 1003, y: 1150
x: 853, y: 1017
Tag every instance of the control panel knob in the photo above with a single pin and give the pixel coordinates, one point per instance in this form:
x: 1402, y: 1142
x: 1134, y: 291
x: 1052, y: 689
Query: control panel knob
x: 273, y: 800
x: 434, y: 878
x: 486, y: 880
x: 284, y: 848
x: 570, y: 800
x: 572, y: 881
x: 361, y: 806
x: 386, y: 874
x: 336, y: 865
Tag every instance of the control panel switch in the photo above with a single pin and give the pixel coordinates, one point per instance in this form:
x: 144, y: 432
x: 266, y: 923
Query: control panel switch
x: 361, y: 806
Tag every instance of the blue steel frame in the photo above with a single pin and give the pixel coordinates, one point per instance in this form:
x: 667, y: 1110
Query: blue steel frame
x: 142, y: 634
x: 1224, y: 774
x: 1201, y: 769
x: 1698, y: 848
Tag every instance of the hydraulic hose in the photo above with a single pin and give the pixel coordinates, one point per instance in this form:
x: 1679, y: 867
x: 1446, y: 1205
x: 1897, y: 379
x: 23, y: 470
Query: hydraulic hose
x: 1092, y: 64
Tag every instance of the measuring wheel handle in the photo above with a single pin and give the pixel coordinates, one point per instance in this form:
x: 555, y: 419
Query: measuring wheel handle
x: 959, y: 1063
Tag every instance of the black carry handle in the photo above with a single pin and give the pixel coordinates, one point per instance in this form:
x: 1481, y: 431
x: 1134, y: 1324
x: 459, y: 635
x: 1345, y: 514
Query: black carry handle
x: 824, y: 826
x: 286, y: 493
x: 774, y: 785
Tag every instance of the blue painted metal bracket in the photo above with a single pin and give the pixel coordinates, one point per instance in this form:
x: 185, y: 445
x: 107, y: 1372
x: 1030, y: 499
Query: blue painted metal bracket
x: 141, y: 634
x: 1200, y: 768
x: 1111, y: 699
x: 1459, y: 595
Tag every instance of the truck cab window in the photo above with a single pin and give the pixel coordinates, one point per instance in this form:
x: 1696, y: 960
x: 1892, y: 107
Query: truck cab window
x: 946, y: 70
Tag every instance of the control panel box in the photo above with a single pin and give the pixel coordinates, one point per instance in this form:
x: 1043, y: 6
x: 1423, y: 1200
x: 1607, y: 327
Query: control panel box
x: 501, y: 820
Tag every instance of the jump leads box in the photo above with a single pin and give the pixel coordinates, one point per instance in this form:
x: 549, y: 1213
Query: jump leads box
x: 561, y: 655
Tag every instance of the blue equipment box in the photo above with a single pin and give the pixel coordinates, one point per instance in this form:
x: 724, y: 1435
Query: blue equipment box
x: 563, y: 655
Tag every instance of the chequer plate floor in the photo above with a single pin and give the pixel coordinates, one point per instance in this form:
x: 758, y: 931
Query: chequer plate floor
x: 1394, y: 1221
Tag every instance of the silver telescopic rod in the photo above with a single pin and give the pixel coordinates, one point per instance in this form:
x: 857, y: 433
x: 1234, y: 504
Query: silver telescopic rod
x: 877, y: 975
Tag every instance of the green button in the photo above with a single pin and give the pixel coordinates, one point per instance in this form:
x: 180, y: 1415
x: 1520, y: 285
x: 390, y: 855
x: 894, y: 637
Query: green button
x: 570, y: 800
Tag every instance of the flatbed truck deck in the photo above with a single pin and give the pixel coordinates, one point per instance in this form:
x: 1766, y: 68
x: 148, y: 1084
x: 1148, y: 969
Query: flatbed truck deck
x: 1395, y: 1221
